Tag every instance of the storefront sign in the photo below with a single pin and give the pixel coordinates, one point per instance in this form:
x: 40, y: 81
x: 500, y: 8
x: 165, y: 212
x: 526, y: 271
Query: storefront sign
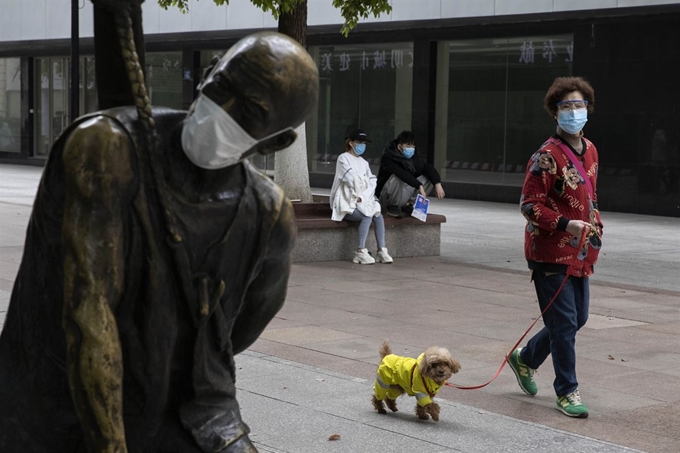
x: 378, y: 59
x: 527, y: 52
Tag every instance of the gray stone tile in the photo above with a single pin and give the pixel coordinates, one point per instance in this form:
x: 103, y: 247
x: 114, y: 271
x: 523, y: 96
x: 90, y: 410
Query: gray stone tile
x: 307, y: 405
x: 598, y: 322
x: 305, y: 335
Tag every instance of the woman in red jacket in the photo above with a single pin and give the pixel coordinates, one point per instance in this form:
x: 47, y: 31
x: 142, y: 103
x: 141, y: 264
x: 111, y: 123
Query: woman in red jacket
x: 559, y: 201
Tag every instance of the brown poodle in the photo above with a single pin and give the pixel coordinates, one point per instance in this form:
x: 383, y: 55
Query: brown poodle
x: 421, y: 377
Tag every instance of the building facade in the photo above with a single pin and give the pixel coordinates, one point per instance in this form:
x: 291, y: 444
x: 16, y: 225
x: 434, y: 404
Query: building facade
x: 467, y: 76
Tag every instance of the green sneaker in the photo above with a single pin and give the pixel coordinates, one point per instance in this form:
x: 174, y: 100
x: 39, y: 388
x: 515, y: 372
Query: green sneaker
x: 571, y: 405
x: 524, y: 374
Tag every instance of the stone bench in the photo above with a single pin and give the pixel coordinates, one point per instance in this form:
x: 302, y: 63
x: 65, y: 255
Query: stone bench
x: 321, y: 239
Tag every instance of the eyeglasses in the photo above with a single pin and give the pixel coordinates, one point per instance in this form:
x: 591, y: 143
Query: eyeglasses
x: 572, y: 105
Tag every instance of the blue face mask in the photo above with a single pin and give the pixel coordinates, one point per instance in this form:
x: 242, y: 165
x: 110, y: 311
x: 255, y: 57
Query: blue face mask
x: 359, y: 148
x: 409, y: 152
x: 572, y: 121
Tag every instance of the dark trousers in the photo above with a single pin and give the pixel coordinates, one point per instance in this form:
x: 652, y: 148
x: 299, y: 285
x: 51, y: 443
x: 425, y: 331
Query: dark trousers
x: 567, y: 314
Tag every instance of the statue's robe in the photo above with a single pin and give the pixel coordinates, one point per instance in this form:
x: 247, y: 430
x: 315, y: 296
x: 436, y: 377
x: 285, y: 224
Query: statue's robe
x: 176, y: 359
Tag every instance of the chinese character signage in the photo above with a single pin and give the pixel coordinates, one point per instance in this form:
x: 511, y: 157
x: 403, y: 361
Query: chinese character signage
x: 549, y: 51
x: 366, y: 60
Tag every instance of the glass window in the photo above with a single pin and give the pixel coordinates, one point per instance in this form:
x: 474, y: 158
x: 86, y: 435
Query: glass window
x: 88, y: 91
x: 51, y: 101
x: 490, y: 104
x: 51, y: 105
x: 10, y: 105
x: 164, y: 74
x: 367, y: 86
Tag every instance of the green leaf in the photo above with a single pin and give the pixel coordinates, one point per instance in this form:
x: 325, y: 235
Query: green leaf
x: 351, y: 10
x: 183, y: 5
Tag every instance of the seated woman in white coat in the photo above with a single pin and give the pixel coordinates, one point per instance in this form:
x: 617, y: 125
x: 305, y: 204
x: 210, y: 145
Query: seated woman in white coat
x: 353, y: 198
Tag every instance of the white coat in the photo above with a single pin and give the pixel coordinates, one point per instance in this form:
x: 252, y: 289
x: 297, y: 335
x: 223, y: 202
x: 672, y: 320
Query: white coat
x: 353, y: 180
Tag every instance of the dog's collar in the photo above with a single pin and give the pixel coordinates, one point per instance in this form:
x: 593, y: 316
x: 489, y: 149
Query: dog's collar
x: 413, y: 370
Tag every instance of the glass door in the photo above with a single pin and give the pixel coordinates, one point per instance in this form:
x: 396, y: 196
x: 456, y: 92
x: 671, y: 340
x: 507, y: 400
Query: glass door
x: 51, y: 104
x: 10, y: 105
x: 88, y: 92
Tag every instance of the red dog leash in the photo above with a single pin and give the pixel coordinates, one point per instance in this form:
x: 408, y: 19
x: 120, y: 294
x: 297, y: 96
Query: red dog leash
x: 581, y: 244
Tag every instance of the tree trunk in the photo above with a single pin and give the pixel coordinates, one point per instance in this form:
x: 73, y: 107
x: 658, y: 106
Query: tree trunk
x: 290, y: 169
x: 294, y: 23
x: 290, y: 165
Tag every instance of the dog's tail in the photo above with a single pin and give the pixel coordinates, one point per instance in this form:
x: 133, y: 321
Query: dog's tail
x: 385, y: 349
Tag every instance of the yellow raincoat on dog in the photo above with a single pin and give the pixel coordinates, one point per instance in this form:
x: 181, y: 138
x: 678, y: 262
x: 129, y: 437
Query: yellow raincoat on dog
x: 397, y: 372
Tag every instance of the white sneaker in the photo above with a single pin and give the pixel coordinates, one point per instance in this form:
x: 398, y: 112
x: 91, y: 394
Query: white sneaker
x: 383, y: 256
x: 363, y: 257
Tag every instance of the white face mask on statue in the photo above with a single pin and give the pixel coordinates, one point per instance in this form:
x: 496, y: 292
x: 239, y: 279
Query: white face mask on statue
x: 212, y: 139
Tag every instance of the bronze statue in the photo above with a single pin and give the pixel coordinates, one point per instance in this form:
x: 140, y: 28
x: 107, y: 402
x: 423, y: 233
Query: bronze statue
x: 154, y: 254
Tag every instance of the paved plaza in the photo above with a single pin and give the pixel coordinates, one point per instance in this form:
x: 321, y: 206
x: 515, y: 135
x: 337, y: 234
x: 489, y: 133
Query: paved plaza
x: 310, y: 375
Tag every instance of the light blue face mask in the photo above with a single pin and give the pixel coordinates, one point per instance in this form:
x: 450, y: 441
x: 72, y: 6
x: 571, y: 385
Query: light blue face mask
x: 409, y: 152
x: 572, y: 121
x: 359, y: 148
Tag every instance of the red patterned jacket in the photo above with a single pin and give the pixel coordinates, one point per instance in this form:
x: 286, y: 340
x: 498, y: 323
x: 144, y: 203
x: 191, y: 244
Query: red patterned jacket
x: 553, y: 194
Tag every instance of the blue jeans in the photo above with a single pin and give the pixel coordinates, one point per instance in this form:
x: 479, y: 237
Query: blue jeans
x: 563, y: 319
x: 365, y: 224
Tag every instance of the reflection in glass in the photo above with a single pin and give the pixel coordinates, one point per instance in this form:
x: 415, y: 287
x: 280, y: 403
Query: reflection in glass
x: 164, y: 78
x: 10, y: 105
x: 490, y: 104
x: 367, y: 86
x: 88, y: 91
x: 51, y: 102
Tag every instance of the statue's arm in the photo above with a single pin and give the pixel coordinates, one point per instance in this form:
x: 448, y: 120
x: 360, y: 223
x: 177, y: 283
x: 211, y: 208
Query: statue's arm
x: 266, y: 294
x: 99, y: 180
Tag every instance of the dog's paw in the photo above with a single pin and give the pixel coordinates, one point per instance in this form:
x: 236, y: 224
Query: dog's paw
x: 378, y: 405
x: 391, y: 404
x: 421, y: 412
x: 433, y: 409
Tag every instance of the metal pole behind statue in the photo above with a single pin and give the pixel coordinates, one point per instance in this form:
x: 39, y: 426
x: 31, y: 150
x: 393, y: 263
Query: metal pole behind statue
x: 75, y: 62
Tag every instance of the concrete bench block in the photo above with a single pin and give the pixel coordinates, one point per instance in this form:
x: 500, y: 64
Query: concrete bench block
x: 321, y: 239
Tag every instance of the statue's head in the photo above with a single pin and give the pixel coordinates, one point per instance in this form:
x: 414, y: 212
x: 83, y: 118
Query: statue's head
x: 267, y: 84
